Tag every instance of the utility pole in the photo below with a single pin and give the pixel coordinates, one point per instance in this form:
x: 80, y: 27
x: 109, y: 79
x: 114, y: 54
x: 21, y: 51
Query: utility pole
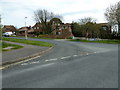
x: 25, y: 29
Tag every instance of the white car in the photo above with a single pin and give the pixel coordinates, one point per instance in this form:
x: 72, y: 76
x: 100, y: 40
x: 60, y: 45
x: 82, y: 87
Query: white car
x: 7, y: 34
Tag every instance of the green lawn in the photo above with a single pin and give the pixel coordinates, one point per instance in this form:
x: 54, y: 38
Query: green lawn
x: 30, y: 42
x: 99, y: 41
x: 5, y: 45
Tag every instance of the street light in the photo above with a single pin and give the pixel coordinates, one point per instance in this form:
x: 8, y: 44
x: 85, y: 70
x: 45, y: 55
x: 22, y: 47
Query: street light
x: 25, y: 29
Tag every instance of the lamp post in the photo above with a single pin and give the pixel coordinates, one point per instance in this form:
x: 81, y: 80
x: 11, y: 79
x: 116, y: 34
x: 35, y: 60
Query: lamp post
x: 25, y: 29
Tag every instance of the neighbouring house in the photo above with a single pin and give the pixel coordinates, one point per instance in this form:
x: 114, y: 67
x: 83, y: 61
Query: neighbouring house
x: 9, y: 28
x: 58, y: 30
x: 28, y: 29
x: 62, y: 30
x: 37, y: 28
x: 105, y: 26
x: 105, y: 30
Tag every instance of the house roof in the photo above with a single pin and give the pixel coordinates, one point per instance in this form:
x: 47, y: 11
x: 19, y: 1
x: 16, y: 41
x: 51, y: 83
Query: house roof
x: 29, y: 29
x: 9, y: 27
x: 37, y: 25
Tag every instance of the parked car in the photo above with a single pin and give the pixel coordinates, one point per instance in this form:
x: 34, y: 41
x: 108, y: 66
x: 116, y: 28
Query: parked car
x: 7, y: 34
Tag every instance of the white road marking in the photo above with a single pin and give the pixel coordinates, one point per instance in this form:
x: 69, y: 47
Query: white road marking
x: 75, y: 55
x: 24, y: 64
x: 87, y: 53
x: 46, y: 60
x: 51, y: 60
x: 34, y: 62
x: 65, y: 57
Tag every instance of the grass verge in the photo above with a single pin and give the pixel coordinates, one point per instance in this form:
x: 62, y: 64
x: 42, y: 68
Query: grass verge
x: 5, y: 45
x: 30, y: 42
x: 100, y: 41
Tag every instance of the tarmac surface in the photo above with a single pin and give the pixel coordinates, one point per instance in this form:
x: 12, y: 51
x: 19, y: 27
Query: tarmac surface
x: 67, y: 65
x: 19, y: 54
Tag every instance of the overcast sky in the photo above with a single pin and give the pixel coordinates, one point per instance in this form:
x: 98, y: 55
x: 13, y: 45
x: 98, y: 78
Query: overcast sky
x: 14, y: 11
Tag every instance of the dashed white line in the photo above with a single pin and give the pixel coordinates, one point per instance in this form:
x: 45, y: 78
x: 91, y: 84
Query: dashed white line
x: 75, y: 55
x: 87, y: 53
x: 51, y: 60
x: 65, y: 57
x: 24, y: 64
x: 34, y: 62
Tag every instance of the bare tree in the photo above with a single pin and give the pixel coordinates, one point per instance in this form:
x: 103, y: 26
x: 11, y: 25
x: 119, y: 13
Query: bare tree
x: 112, y: 14
x: 43, y: 16
x: 87, y: 20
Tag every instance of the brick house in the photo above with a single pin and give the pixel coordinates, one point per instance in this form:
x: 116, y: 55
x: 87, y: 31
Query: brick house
x: 28, y: 29
x: 37, y: 28
x: 9, y: 28
x: 62, y: 30
x: 58, y: 30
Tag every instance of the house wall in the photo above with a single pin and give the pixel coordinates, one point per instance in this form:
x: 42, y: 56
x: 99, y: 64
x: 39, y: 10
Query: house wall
x: 62, y: 31
x: 37, y: 27
x: 9, y: 28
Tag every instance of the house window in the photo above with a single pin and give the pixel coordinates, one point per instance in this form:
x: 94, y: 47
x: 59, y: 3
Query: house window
x: 34, y: 27
x: 37, y: 27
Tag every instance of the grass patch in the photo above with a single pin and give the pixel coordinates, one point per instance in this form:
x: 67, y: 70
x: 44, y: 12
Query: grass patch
x: 30, y: 42
x: 100, y: 41
x: 5, y: 45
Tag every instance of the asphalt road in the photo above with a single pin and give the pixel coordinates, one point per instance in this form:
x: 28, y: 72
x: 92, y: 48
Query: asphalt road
x: 67, y: 65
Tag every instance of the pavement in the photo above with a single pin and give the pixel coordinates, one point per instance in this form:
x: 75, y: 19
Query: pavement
x: 17, y: 55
